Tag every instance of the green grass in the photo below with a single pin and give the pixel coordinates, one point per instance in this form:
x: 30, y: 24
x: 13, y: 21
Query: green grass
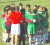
x: 3, y: 3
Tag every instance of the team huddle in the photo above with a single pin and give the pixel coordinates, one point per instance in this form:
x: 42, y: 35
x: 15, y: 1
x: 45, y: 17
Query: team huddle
x: 19, y: 23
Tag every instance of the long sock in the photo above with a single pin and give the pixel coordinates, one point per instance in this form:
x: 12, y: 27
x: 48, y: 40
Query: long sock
x: 4, y: 37
x: 30, y: 40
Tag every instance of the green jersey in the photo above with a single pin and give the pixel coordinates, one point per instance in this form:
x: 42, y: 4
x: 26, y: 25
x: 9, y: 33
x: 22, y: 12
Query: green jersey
x: 45, y: 22
x: 43, y: 19
x: 31, y: 25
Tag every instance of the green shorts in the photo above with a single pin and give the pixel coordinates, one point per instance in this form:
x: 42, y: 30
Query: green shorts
x: 31, y: 28
x: 3, y: 24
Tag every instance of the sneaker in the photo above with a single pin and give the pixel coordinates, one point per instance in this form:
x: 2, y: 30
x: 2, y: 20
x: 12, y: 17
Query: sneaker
x: 7, y: 41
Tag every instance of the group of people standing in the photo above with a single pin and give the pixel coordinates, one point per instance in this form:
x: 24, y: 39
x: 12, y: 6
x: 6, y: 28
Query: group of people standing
x: 17, y: 22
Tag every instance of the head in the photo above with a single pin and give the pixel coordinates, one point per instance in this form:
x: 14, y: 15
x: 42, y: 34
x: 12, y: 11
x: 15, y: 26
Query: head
x: 20, y: 6
x: 17, y: 8
x: 7, y: 9
x: 12, y: 9
x: 44, y: 9
x: 12, y: 5
x: 28, y: 6
x: 40, y: 8
x: 35, y: 7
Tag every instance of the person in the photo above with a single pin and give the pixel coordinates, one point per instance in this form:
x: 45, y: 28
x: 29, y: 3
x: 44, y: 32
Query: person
x: 45, y: 23
x: 31, y: 25
x: 35, y: 8
x: 16, y: 17
x: 41, y: 17
x: 22, y: 25
x: 12, y: 5
x: 20, y: 6
x: 8, y: 22
x: 3, y: 27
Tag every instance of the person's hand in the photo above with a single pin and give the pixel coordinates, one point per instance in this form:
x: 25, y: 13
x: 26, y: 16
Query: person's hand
x: 5, y: 20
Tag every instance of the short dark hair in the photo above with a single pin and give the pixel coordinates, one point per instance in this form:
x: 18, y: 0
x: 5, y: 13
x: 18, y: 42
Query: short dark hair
x: 12, y: 5
x: 12, y: 9
x: 20, y: 4
x: 7, y: 8
x: 38, y: 6
x: 35, y: 6
x: 17, y: 8
x: 22, y: 11
x: 28, y: 5
x: 45, y: 8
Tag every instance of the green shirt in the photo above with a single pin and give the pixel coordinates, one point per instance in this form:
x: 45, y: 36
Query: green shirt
x: 44, y: 21
x: 3, y: 24
x: 30, y: 17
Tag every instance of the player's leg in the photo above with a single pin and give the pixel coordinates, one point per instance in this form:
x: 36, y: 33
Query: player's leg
x: 23, y: 39
x: 39, y: 37
x: 16, y: 39
x: 4, y: 33
x: 29, y: 31
x: 12, y: 39
x: 17, y: 33
x: 23, y: 34
x: 45, y: 35
x: 12, y: 34
x: 33, y: 34
x: 8, y: 27
x: 20, y: 39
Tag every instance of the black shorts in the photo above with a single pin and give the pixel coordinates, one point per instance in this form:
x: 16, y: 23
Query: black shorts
x: 8, y: 28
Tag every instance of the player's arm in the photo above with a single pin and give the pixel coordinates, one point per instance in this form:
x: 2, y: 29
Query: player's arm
x: 31, y: 14
x: 21, y: 18
x: 27, y: 20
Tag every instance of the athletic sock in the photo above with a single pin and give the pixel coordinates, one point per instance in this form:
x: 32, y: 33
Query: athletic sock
x: 4, y: 37
x: 30, y: 40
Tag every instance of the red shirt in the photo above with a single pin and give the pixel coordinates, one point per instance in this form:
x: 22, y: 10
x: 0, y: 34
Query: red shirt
x: 6, y: 18
x: 16, y: 17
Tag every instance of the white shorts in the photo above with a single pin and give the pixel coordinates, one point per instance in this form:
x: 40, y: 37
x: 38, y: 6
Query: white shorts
x: 15, y: 29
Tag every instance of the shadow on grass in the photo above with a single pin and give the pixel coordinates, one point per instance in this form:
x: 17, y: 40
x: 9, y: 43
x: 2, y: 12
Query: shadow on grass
x: 13, y: 1
x: 2, y: 2
x: 8, y: 1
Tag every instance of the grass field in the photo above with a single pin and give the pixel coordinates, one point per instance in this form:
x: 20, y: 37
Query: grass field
x: 45, y: 3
